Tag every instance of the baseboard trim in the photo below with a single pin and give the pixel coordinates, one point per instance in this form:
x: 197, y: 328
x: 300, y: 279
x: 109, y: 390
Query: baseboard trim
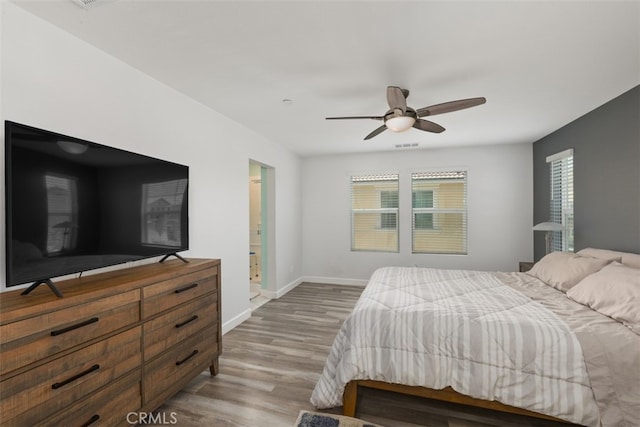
x: 230, y: 324
x: 335, y: 281
x: 282, y: 291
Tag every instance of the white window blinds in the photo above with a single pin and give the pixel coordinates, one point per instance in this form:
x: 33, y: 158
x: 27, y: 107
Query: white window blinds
x: 561, y: 200
x: 374, y: 213
x: 439, y: 212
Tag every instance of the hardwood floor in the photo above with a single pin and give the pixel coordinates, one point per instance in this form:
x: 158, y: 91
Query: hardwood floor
x: 271, y: 362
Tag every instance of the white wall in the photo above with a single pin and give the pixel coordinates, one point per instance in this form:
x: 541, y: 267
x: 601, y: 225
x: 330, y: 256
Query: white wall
x: 51, y: 80
x: 500, y: 206
x: 54, y: 81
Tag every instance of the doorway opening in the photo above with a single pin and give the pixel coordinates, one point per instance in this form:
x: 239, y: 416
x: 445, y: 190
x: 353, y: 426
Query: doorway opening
x: 255, y: 228
x: 259, y: 232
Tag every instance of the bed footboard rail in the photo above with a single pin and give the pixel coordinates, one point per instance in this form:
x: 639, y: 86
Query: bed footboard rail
x: 447, y: 394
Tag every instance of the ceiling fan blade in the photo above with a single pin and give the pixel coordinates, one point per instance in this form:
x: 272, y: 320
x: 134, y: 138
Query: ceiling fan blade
x: 396, y: 98
x: 428, y: 126
x: 447, y: 107
x: 356, y: 117
x: 378, y: 131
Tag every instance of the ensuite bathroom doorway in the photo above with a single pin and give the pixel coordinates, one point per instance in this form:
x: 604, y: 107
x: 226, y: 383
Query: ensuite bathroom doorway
x: 257, y: 233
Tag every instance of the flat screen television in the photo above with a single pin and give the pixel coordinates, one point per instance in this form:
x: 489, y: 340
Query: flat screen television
x: 74, y: 205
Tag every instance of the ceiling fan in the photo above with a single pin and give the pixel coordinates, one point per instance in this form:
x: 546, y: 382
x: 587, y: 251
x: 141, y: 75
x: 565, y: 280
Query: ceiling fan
x: 400, y: 117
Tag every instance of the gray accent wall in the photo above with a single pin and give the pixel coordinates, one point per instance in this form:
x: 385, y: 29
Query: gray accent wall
x: 606, y: 143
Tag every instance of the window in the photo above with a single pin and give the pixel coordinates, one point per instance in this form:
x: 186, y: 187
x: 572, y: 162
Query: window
x: 389, y: 199
x: 374, y: 213
x: 422, y: 199
x: 439, y: 211
x: 561, y: 199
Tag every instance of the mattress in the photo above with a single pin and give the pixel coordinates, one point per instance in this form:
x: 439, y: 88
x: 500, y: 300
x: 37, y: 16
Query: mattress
x: 494, y: 336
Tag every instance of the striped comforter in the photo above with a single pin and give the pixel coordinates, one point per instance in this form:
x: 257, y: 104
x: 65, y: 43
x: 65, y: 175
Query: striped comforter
x: 465, y: 329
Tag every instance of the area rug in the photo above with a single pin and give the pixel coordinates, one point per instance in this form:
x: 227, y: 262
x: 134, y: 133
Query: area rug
x: 318, y: 419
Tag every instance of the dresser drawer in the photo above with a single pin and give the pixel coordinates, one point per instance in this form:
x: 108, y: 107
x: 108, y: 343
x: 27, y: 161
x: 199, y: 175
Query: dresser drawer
x: 168, y: 294
x: 167, y: 374
x: 29, y: 397
x: 179, y: 324
x: 33, y: 339
x: 107, y: 407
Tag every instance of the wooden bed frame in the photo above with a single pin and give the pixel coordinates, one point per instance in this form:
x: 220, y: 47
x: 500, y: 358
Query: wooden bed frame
x: 447, y: 394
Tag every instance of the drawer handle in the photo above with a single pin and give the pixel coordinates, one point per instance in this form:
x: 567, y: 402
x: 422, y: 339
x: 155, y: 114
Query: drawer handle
x: 91, y: 420
x: 180, y: 362
x: 191, y: 319
x: 186, y: 288
x: 72, y: 327
x: 75, y: 377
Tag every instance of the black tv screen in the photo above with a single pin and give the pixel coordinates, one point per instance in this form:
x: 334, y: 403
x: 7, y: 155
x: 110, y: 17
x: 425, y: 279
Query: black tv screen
x: 74, y: 205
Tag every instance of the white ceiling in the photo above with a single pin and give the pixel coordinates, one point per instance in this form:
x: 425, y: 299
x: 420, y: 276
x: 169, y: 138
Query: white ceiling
x: 540, y: 64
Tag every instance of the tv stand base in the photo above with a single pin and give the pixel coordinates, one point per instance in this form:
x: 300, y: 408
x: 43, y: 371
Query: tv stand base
x: 175, y: 254
x: 47, y: 282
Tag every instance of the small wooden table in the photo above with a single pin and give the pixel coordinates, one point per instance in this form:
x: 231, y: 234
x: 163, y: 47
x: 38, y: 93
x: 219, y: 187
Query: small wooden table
x: 525, y: 266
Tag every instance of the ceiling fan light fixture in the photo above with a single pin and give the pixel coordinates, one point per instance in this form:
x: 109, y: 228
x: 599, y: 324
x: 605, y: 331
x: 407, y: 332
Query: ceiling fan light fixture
x: 401, y: 117
x: 400, y: 123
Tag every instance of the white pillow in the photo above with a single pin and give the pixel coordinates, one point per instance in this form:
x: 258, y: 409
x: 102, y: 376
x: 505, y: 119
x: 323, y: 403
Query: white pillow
x: 613, y: 291
x: 601, y: 254
x: 563, y: 270
x: 626, y: 258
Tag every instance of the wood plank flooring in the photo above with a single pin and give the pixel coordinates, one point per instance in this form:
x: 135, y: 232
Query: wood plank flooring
x: 271, y: 362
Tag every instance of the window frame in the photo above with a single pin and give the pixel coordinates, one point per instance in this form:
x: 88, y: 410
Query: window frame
x: 354, y: 180
x: 385, y: 217
x: 439, y: 209
x: 421, y: 210
x: 562, y: 210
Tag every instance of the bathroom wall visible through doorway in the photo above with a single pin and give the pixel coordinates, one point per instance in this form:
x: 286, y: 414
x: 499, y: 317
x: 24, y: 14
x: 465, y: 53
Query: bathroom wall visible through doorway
x: 255, y: 228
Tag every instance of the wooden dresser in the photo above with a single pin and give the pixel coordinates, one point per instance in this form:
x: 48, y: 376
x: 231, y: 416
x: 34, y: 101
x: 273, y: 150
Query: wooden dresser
x: 119, y: 342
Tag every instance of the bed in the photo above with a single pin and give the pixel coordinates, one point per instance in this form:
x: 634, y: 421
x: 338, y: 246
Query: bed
x: 560, y: 341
